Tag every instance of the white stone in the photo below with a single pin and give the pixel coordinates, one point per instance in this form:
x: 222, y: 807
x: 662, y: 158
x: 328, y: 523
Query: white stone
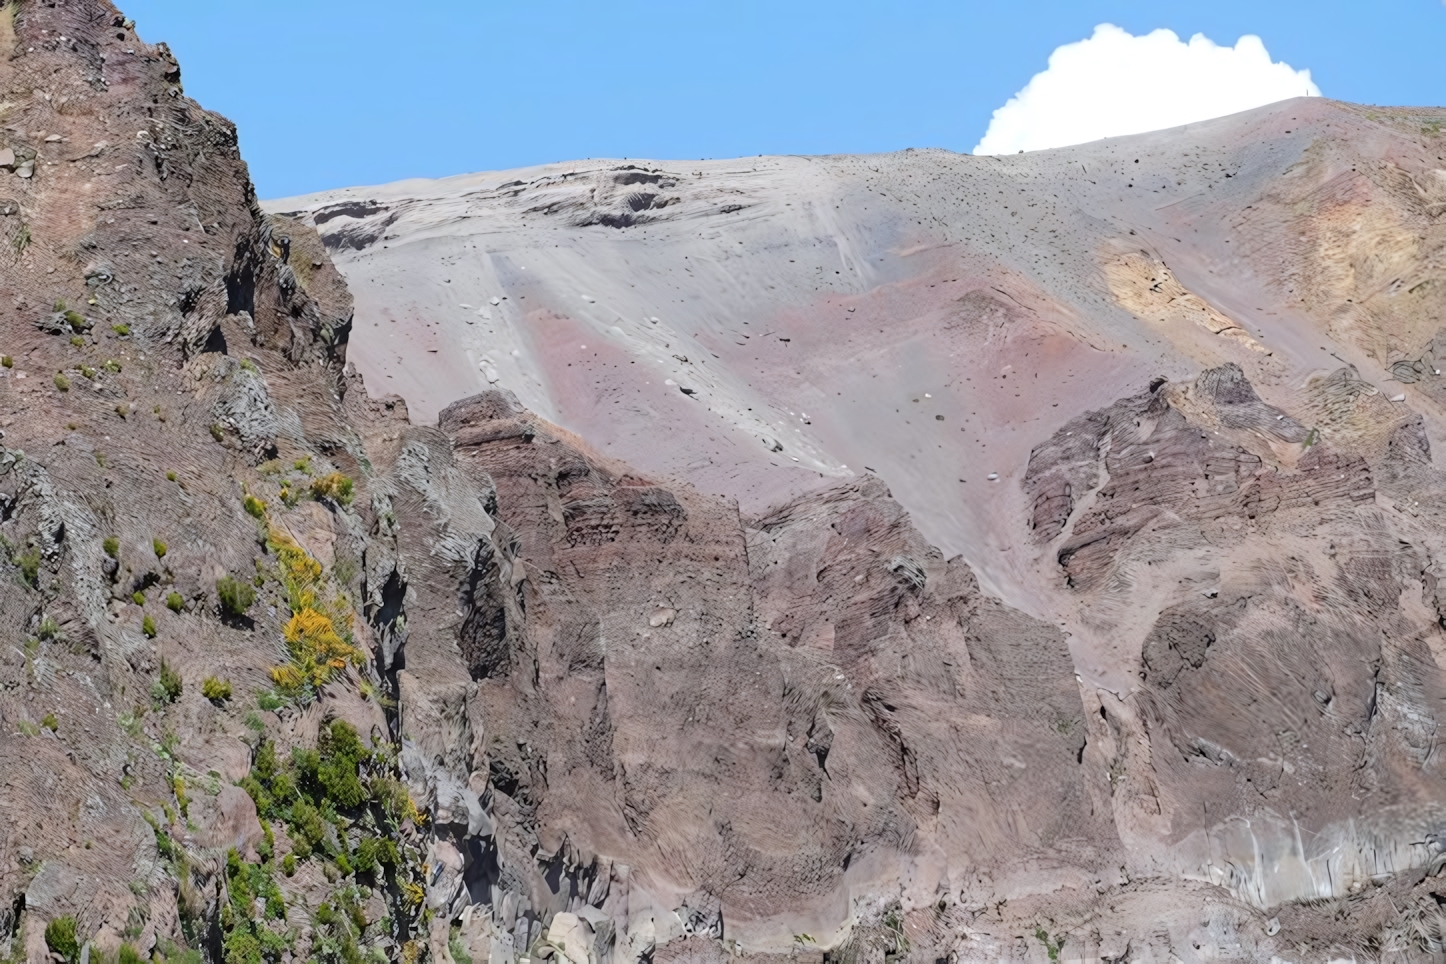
x: 573, y: 936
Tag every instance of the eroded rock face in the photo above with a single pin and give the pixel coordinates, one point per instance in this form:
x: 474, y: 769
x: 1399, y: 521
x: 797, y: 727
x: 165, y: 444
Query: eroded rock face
x: 672, y: 706
x: 1295, y: 636
x: 296, y: 677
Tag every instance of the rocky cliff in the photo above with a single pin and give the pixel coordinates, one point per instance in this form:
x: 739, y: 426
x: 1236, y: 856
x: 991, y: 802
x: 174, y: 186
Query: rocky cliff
x: 293, y: 676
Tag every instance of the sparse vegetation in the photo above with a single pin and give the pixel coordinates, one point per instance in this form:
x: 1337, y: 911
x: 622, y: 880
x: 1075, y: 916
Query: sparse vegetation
x: 1052, y: 948
x: 170, y: 476
x: 216, y: 690
x: 218, y: 433
x: 254, y: 506
x: 250, y: 366
x: 175, y: 602
x: 50, y: 722
x: 76, y: 320
x: 22, y: 239
x: 159, y: 548
x: 121, y: 330
x: 168, y: 686
x: 138, y: 597
x: 28, y: 562
x: 112, y: 366
x: 336, y: 487
x: 456, y: 947
x: 61, y: 382
x: 77, y: 342
x: 312, y: 788
x: 148, y: 626
x: 7, y: 361
x: 236, y: 596
x: 60, y: 938
x: 318, y: 635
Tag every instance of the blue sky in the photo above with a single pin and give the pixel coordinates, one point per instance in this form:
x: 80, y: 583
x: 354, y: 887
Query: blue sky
x: 329, y: 93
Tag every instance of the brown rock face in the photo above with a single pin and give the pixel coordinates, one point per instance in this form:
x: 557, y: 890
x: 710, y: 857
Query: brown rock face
x: 293, y: 677
x: 751, y: 716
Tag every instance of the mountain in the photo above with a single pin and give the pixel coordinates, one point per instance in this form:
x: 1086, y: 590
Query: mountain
x: 412, y: 628
x: 1171, y: 397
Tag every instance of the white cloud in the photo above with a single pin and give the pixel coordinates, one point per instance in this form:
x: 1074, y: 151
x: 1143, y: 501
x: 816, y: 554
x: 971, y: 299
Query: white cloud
x: 1115, y: 83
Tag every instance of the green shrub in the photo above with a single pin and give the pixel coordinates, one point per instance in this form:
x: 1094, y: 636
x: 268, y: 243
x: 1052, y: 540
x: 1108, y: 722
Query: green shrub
x: 174, y: 602
x: 170, y: 683
x: 7, y: 361
x: 29, y: 565
x: 148, y: 626
x: 336, y: 487
x: 128, y: 955
x: 111, y: 547
x: 112, y: 366
x: 159, y: 548
x: 87, y: 371
x: 218, y: 433
x: 236, y: 595
x: 138, y: 597
x: 270, y: 700
x: 121, y: 330
x: 170, y: 476
x: 50, y: 722
x: 288, y: 865
x: 216, y: 690
x: 60, y: 938
x: 365, y: 859
x: 254, y: 507
x: 61, y: 382
x: 77, y: 341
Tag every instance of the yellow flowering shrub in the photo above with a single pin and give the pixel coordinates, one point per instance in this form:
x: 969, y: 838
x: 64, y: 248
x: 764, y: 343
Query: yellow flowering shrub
x: 318, y: 634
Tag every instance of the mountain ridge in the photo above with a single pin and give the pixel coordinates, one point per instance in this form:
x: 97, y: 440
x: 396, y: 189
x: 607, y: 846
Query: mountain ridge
x: 295, y: 676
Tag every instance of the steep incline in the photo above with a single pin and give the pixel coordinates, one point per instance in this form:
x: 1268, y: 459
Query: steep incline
x: 291, y: 677
x: 715, y: 321
x: 1174, y: 395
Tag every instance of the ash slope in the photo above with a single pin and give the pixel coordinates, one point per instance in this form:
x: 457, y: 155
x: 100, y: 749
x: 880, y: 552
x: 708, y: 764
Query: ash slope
x: 1202, y: 365
x: 716, y: 321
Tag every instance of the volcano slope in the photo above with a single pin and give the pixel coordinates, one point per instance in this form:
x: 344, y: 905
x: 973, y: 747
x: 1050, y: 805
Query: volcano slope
x: 583, y: 666
x: 1170, y: 399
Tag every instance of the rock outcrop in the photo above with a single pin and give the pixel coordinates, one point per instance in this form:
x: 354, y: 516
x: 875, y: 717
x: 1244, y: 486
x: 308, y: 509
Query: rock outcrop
x: 294, y: 676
